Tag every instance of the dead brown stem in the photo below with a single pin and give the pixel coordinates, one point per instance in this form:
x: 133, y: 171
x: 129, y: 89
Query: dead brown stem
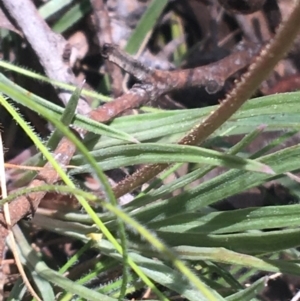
x: 212, y: 76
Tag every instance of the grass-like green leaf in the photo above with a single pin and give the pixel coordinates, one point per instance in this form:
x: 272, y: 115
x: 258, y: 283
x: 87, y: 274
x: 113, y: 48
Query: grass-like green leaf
x: 18, y: 291
x: 222, y: 255
x: 39, y: 105
x: 222, y: 186
x: 164, y: 274
x: 28, y: 256
x: 44, y: 287
x: 36, y: 76
x: 146, y: 23
x: 52, y: 7
x: 249, y: 293
x: 66, y: 118
x: 73, y: 15
x: 264, y: 218
x: 249, y: 243
x: 118, y: 156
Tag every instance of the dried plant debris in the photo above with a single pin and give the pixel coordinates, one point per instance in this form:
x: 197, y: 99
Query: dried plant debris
x: 131, y: 144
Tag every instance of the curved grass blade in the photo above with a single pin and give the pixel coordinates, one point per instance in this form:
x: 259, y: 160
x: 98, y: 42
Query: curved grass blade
x: 234, y: 221
x: 146, y: 153
x: 248, y: 243
x: 32, y: 74
x: 223, y: 255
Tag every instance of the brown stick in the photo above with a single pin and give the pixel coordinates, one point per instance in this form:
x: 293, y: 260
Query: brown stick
x: 212, y: 76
